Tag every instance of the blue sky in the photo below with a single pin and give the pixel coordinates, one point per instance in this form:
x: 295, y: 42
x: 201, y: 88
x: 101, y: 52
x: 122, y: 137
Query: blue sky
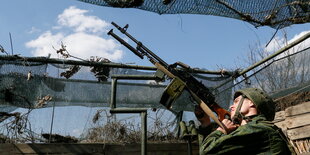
x: 201, y: 41
x: 208, y: 42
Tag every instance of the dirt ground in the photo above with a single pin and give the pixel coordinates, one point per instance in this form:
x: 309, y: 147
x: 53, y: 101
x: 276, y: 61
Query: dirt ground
x: 290, y: 100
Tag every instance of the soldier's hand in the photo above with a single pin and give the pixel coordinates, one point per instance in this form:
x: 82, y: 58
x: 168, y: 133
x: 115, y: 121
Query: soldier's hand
x: 230, y: 126
x: 202, y: 116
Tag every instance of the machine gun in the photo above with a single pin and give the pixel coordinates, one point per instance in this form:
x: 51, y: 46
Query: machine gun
x: 181, y: 79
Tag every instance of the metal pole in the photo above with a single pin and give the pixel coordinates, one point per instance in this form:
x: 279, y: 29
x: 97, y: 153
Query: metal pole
x: 99, y: 64
x: 113, y: 93
x: 144, y: 133
x: 189, y: 146
x: 287, y: 47
x: 11, y: 44
x: 142, y: 111
x: 134, y: 77
x: 143, y: 114
x: 52, y: 123
x: 74, y: 62
x: 128, y: 110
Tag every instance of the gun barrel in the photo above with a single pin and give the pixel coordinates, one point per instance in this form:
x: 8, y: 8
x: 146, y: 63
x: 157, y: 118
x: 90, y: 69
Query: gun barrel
x: 125, y: 44
x: 115, y: 25
x: 153, y: 55
x: 145, y: 49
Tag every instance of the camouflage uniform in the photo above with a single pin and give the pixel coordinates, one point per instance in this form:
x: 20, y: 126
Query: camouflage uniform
x: 256, y: 137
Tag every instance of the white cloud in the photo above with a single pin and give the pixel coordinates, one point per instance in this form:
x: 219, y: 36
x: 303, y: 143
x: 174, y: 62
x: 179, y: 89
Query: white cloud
x: 83, y: 41
x: 302, y: 45
x: 43, y: 45
x: 85, y: 45
x: 75, y: 18
x: 275, y: 44
x: 34, y: 30
x: 76, y: 132
x: 279, y: 42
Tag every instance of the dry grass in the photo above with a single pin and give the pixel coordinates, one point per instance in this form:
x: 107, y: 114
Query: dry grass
x: 113, y: 132
x: 121, y: 132
x: 16, y: 128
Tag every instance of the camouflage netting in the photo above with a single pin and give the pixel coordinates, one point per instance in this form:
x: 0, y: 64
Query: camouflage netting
x: 273, y: 13
x: 34, y: 89
x: 83, y: 87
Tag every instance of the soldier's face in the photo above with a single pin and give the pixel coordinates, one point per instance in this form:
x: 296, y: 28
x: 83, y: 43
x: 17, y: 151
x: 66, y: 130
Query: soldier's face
x: 245, y: 106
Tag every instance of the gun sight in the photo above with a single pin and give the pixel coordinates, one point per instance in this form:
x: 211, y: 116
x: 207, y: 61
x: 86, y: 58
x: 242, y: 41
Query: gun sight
x: 123, y: 30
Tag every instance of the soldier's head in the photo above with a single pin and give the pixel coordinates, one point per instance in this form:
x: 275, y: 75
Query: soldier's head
x: 254, y: 99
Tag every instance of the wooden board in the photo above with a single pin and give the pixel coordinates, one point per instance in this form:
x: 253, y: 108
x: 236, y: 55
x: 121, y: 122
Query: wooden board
x: 297, y: 121
x: 96, y: 148
x: 280, y: 116
x: 281, y: 125
x: 298, y: 109
x: 25, y: 148
x: 299, y: 133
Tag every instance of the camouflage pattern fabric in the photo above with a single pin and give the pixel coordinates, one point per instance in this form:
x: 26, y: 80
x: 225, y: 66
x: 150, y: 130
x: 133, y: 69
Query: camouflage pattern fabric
x: 256, y: 137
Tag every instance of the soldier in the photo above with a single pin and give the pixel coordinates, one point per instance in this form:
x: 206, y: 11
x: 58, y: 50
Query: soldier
x: 249, y: 131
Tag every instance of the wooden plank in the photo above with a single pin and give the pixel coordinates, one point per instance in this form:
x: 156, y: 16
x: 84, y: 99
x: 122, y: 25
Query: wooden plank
x: 120, y: 149
x: 298, y: 109
x: 280, y: 116
x: 297, y: 121
x: 152, y: 149
x: 59, y: 148
x: 299, y: 133
x: 8, y: 149
x: 97, y: 148
x: 25, y: 148
x: 282, y: 125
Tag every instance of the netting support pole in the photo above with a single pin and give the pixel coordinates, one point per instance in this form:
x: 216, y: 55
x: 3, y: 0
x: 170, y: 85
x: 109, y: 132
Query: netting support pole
x: 52, y: 123
x: 98, y: 64
x: 143, y: 114
x: 113, y: 93
x: 141, y: 111
x: 285, y: 48
x: 144, y: 132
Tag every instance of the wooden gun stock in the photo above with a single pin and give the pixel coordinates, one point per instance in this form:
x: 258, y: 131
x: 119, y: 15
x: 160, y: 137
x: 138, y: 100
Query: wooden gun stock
x: 221, y: 112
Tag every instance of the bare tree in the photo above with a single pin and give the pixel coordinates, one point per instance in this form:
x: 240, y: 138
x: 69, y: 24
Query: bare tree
x: 288, y: 69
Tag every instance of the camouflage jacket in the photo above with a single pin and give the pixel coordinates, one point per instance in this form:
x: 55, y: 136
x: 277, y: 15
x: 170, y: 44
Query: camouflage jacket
x: 256, y: 137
